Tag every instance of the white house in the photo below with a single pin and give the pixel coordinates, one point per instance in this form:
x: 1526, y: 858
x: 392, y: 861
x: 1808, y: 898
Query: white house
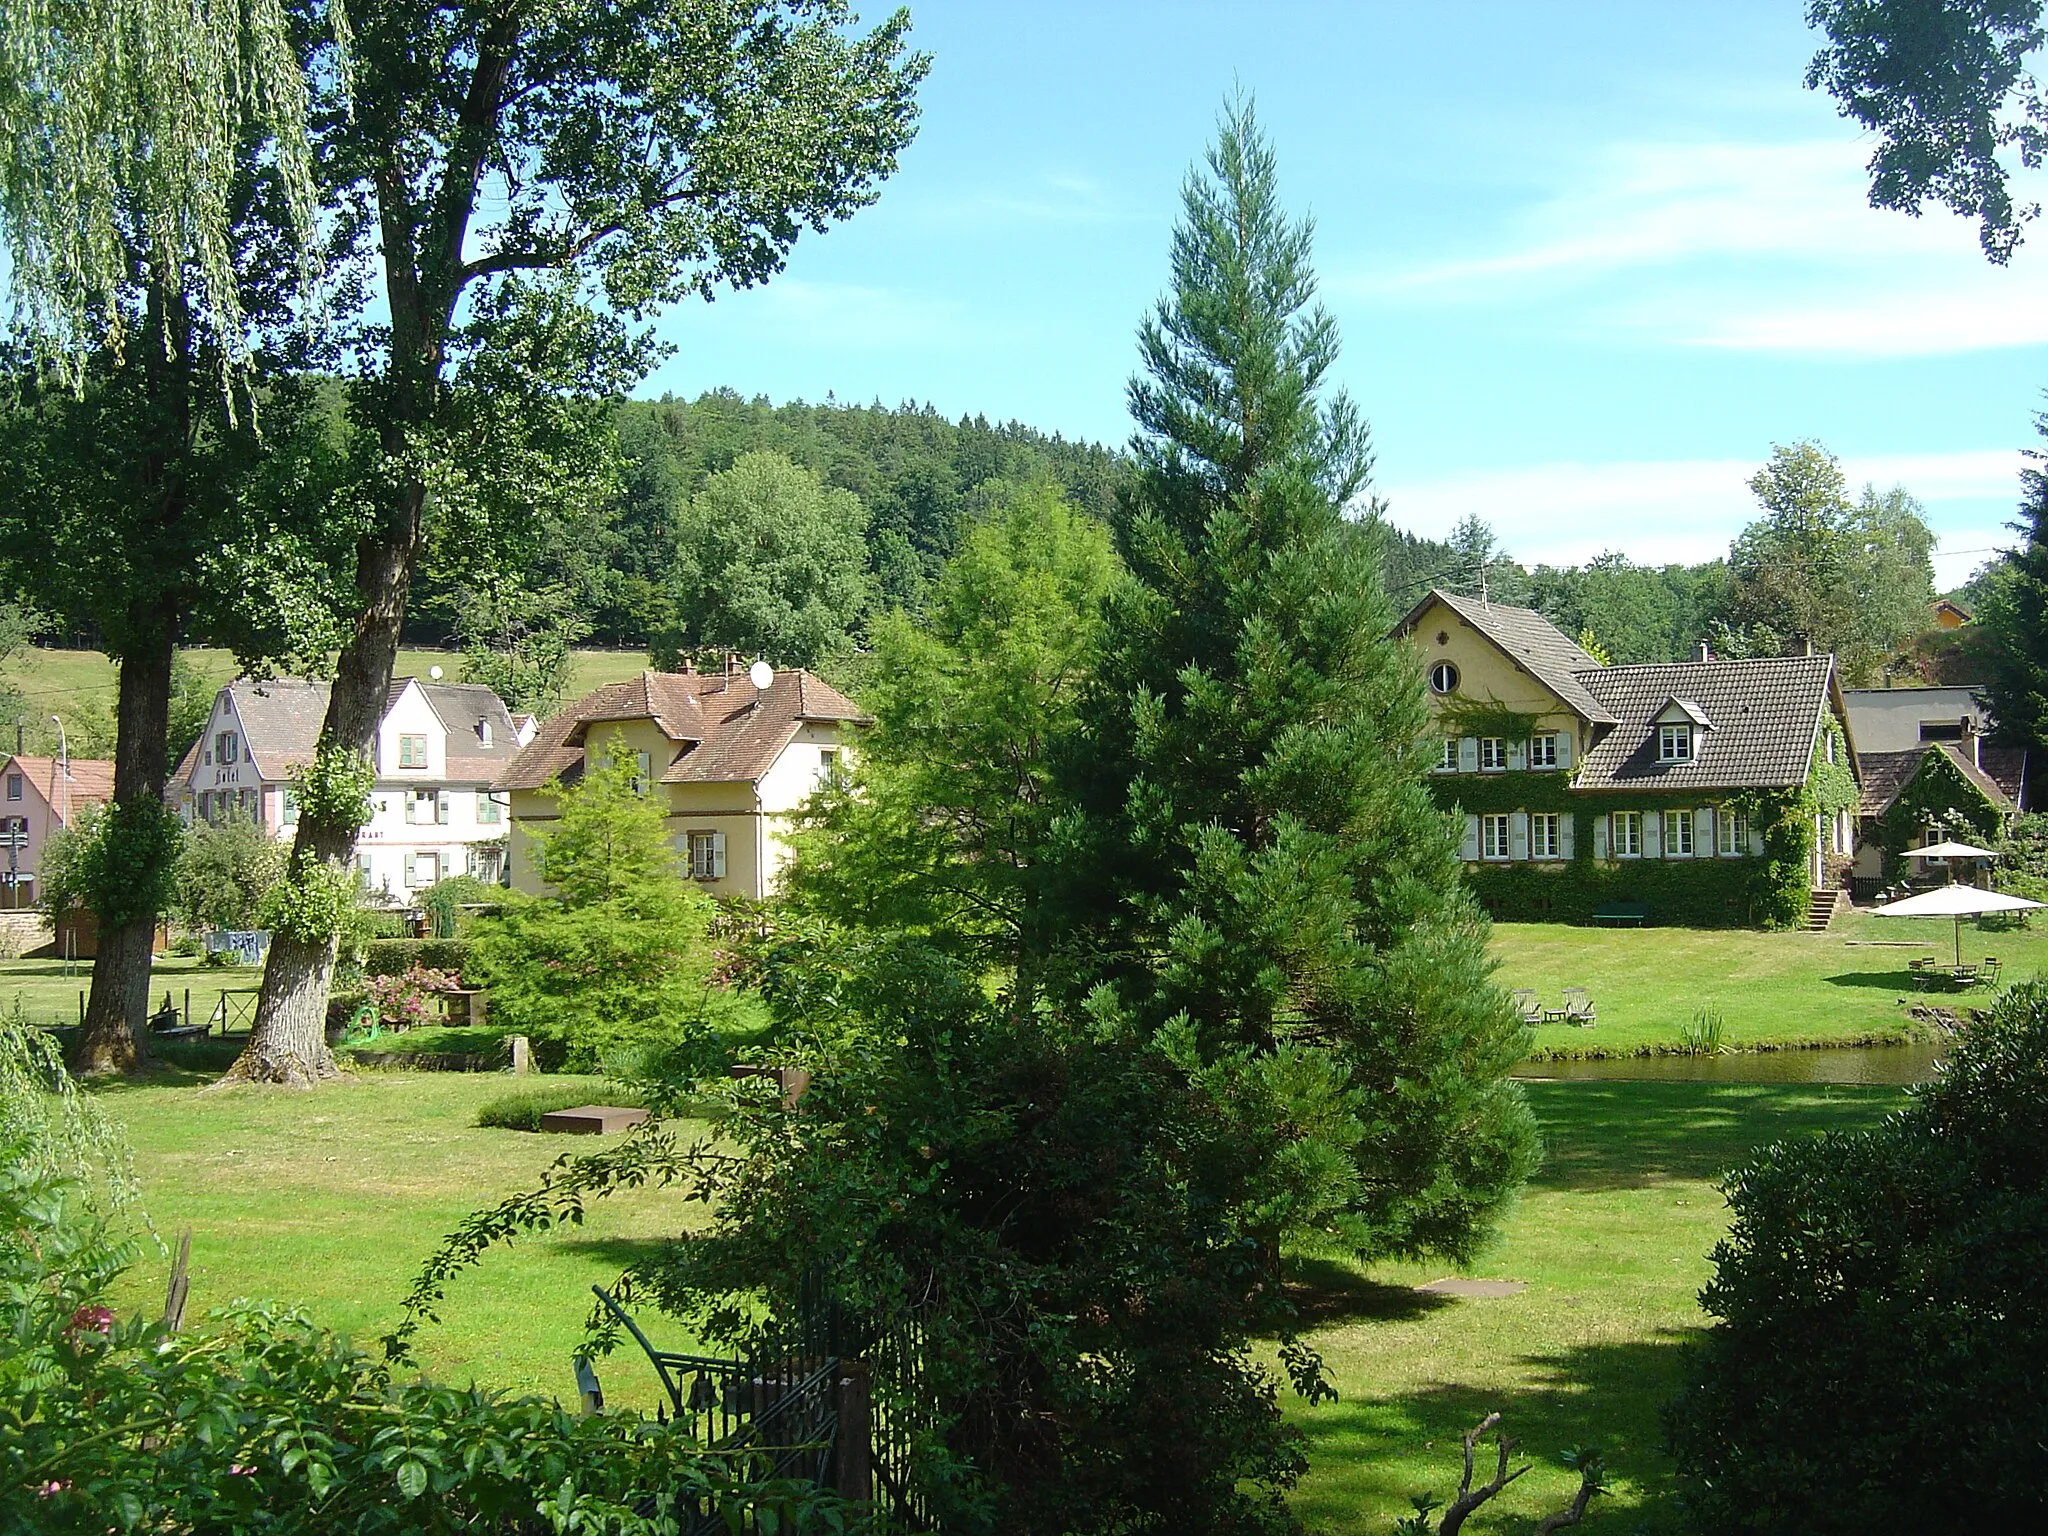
x: 439, y: 747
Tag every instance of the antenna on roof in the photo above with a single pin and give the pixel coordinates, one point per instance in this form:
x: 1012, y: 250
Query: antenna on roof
x: 760, y: 674
x: 434, y: 673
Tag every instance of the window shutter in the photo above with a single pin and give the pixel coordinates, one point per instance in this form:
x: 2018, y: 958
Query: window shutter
x: 1599, y: 837
x: 1704, y: 842
x: 412, y: 869
x: 718, y: 855
x: 1518, y: 834
x: 1756, y: 842
x: 1468, y: 755
x: 1567, y: 825
x: 440, y: 808
x: 1653, y: 835
x: 1468, y: 848
x: 1564, y: 750
x: 1518, y: 754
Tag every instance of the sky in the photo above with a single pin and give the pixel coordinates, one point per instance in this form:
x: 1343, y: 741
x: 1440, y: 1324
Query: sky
x: 1589, y: 262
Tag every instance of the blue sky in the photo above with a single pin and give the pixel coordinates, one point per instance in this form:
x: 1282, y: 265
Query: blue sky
x: 1589, y: 261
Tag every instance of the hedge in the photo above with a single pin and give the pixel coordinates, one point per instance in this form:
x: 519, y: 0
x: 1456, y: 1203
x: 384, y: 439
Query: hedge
x: 394, y: 957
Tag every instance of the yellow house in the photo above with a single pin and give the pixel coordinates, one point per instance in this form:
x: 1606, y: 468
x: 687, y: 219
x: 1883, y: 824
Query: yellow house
x: 731, y: 762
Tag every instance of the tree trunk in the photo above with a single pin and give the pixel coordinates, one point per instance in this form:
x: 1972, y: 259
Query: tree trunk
x: 289, y: 1041
x: 116, y: 1013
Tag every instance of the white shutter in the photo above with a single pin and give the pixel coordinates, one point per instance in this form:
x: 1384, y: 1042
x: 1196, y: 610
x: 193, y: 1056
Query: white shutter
x: 411, y: 870
x: 718, y: 855
x: 1703, y: 834
x: 1567, y: 825
x: 1468, y: 757
x: 1756, y: 842
x: 1518, y: 834
x: 1468, y: 846
x: 440, y: 808
x: 1518, y: 754
x: 1653, y: 834
x: 1564, y: 749
x: 1599, y: 837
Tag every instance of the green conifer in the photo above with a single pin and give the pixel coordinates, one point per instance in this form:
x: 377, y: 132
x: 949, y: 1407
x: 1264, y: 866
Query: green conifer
x: 1250, y: 844
x: 2013, y: 624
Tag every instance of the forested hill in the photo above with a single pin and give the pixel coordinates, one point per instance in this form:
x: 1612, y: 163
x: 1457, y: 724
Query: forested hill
x: 913, y: 470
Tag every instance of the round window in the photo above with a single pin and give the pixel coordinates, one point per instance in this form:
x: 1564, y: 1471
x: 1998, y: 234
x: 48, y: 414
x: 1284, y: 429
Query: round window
x: 1443, y: 678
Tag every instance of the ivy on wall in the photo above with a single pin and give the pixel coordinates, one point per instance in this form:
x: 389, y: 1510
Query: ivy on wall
x: 1485, y: 717
x: 1938, y: 796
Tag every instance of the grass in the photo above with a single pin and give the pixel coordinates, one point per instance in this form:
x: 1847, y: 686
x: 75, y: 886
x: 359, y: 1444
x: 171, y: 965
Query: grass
x: 79, y: 685
x: 50, y: 997
x: 1612, y: 1240
x: 333, y: 1199
x: 1770, y: 989
x: 522, y: 1110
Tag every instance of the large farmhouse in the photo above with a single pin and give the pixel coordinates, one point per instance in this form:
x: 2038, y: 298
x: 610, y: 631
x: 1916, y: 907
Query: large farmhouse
x: 1702, y: 792
x: 433, y: 811
x: 43, y: 795
x: 730, y: 761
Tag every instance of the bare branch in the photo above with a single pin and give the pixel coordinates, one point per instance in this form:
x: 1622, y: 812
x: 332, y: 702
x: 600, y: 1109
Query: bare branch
x: 1470, y: 1498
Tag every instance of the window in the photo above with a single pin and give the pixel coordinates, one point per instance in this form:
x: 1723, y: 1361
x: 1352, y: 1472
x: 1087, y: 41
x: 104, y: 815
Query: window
x: 1543, y: 751
x: 1674, y: 743
x: 422, y: 869
x: 1543, y: 841
x: 423, y: 807
x: 487, y: 809
x: 707, y: 855
x: 14, y: 786
x: 14, y: 832
x: 1628, y: 834
x: 1732, y: 832
x: 643, y: 772
x: 227, y: 748
x: 205, y: 806
x: 1448, y: 762
x: 1443, y: 678
x: 1493, y: 753
x: 288, y: 812
x: 412, y: 751
x: 1493, y: 837
x: 1678, y: 834
x: 828, y: 765
x: 488, y: 864
x: 1937, y: 730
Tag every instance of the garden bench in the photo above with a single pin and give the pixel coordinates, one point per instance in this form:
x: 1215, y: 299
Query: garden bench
x: 1526, y: 1005
x: 1619, y: 913
x: 1577, y: 1009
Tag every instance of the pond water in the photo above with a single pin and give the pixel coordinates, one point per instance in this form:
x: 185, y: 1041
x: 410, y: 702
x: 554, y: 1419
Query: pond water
x: 1888, y: 1065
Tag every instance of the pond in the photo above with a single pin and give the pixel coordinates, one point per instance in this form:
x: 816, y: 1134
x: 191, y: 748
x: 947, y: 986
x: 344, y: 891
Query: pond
x: 1888, y: 1065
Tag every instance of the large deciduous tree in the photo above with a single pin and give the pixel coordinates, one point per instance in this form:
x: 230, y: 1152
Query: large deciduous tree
x: 530, y: 170
x: 1944, y: 85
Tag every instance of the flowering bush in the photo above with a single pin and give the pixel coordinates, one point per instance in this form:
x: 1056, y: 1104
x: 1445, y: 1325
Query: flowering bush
x: 403, y: 1000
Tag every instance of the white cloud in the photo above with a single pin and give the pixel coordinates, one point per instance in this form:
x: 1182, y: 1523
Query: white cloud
x: 1751, y: 247
x: 1687, y: 510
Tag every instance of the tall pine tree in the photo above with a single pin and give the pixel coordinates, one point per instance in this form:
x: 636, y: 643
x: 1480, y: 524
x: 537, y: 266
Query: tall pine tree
x: 2013, y: 622
x: 1252, y: 848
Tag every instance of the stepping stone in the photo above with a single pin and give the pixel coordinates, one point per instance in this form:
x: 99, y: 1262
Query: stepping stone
x: 592, y: 1119
x: 1457, y: 1285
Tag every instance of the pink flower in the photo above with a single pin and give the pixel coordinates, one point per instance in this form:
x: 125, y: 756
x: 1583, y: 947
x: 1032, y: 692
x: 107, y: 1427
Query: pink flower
x: 91, y: 1320
x: 51, y: 1490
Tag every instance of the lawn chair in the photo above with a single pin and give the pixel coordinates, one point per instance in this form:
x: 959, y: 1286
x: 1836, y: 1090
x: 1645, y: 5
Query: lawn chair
x: 1987, y: 973
x: 1921, y: 971
x: 1526, y: 1005
x: 1578, y: 1007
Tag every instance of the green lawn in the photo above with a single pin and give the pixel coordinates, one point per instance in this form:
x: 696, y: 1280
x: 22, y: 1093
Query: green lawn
x: 51, y: 997
x: 333, y: 1198
x: 1769, y: 988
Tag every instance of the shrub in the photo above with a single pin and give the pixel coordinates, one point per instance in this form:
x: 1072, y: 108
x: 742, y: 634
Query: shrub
x: 394, y: 957
x: 521, y: 1111
x: 1881, y: 1359
x: 402, y: 1001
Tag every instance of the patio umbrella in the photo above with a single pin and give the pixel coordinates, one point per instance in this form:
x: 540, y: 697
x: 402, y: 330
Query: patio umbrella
x: 1950, y: 851
x: 1958, y: 902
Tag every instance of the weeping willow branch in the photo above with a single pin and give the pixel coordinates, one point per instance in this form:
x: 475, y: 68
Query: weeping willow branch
x: 122, y: 126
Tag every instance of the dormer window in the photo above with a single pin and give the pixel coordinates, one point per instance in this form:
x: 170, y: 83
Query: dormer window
x: 483, y: 730
x: 1674, y: 743
x: 1443, y: 678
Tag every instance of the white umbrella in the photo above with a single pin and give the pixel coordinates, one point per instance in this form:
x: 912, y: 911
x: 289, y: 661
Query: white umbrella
x: 1950, y: 851
x: 1958, y: 902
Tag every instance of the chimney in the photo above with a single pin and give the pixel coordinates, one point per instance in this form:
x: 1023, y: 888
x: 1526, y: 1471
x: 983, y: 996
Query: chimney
x: 1969, y: 729
x: 1705, y: 653
x: 1806, y: 645
x: 689, y: 668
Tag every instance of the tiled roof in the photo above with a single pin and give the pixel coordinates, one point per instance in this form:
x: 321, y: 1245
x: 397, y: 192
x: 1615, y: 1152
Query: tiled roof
x: 1765, y: 710
x: 461, y: 706
x: 90, y: 780
x: 724, y: 731
x: 1886, y: 774
x: 1532, y: 642
x: 2007, y: 768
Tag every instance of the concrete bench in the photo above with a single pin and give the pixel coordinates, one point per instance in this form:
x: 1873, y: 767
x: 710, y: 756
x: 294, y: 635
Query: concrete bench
x: 592, y: 1119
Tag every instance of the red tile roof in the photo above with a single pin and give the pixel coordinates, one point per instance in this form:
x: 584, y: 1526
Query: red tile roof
x: 91, y: 779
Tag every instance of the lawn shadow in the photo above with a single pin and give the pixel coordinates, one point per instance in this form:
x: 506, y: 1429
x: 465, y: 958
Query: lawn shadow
x: 1607, y: 1396
x: 1329, y: 1291
x: 1632, y: 1135
x: 619, y: 1252
x: 1898, y: 982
